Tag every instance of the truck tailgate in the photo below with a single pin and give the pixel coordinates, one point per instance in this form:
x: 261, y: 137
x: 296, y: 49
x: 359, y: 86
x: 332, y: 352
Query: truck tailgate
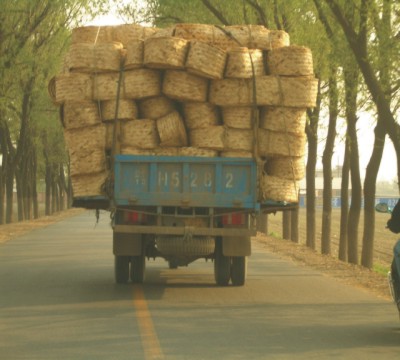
x: 185, y: 181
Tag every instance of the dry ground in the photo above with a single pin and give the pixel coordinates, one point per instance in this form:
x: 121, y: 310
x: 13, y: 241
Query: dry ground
x: 329, y: 265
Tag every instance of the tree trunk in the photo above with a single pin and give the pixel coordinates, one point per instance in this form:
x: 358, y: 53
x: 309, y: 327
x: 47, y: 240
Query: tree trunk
x: 9, y: 197
x: 367, y: 256
x: 327, y: 164
x: 312, y: 137
x: 344, y: 209
x: 34, y: 187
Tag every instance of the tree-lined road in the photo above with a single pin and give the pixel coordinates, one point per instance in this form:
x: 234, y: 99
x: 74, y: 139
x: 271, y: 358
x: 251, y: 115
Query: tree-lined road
x: 59, y: 301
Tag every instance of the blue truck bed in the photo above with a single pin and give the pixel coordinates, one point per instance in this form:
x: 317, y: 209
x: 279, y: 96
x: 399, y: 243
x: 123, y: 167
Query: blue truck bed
x: 185, y: 181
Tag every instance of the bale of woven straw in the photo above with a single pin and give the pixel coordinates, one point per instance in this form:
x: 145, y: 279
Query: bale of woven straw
x: 163, y: 32
x: 83, y: 163
x: 127, y: 33
x: 236, y: 154
x: 134, y: 54
x: 80, y: 114
x: 140, y: 134
x: 93, y: 58
x: 183, y: 86
x: 193, y: 151
x: 88, y: 184
x: 239, y: 117
x: 201, y: 32
x: 278, y: 39
x: 212, y: 137
x: 270, y: 90
x: 86, y: 149
x: 274, y: 143
x: 92, y: 34
x: 105, y: 86
x: 165, y: 52
x: 166, y: 151
x: 73, y: 87
x: 142, y: 83
x: 238, y: 139
x: 278, y: 118
x: 131, y: 150
x: 51, y: 89
x: 171, y: 130
x: 200, y: 115
x: 206, y: 60
x: 250, y: 36
x: 127, y: 109
x: 244, y: 63
x: 278, y: 189
x: 290, y: 61
x: 291, y: 168
x: 154, y: 108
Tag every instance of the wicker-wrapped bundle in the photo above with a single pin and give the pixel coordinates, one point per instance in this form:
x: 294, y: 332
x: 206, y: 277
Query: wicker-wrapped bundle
x: 200, y: 115
x: 142, y: 83
x: 244, y: 63
x: 163, y: 32
x: 92, y: 34
x: 278, y: 118
x: 86, y: 149
x: 154, y: 108
x: 278, y: 39
x: 250, y: 36
x: 165, y: 52
x: 80, y: 114
x: 236, y: 154
x: 193, y: 151
x: 238, y: 117
x: 73, y: 87
x: 206, y: 60
x: 238, y: 139
x: 134, y: 55
x: 274, y: 143
x: 166, y: 151
x: 127, y: 109
x: 270, y: 90
x: 131, y: 150
x: 126, y: 33
x: 291, y: 168
x: 140, y: 134
x: 88, y: 184
x: 290, y: 61
x: 105, y: 86
x: 212, y: 137
x: 94, y: 58
x: 171, y: 130
x: 51, y: 89
x: 201, y: 32
x: 183, y: 86
x: 278, y: 189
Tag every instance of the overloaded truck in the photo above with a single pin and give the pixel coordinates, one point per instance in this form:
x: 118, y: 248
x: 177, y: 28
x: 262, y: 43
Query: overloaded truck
x: 185, y: 135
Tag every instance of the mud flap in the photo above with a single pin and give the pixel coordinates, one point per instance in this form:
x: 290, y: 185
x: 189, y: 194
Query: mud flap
x: 236, y: 246
x: 396, y: 251
x: 127, y: 244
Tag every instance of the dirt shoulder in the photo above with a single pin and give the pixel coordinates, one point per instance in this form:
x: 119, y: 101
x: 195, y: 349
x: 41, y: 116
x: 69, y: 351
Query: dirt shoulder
x: 10, y: 231
x: 350, y: 274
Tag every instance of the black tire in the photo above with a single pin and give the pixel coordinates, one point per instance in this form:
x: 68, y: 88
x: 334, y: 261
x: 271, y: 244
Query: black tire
x: 222, y: 265
x: 121, y: 269
x: 173, y: 264
x: 138, y: 269
x: 239, y: 270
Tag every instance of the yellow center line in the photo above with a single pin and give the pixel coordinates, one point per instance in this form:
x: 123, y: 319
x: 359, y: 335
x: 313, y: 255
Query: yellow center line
x: 151, y: 345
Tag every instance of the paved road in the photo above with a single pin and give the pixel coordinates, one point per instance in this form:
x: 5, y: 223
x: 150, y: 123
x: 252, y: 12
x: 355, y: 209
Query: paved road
x: 58, y: 301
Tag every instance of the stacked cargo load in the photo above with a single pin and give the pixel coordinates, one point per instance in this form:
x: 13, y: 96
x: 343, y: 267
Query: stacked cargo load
x: 189, y: 90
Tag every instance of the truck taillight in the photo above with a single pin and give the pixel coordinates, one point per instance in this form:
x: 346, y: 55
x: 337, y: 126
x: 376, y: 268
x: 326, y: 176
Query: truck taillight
x: 234, y: 219
x: 131, y: 217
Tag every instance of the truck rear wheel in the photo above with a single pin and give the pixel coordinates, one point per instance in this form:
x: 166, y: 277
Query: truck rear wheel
x: 239, y: 270
x: 121, y: 269
x: 138, y: 268
x: 222, y: 265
